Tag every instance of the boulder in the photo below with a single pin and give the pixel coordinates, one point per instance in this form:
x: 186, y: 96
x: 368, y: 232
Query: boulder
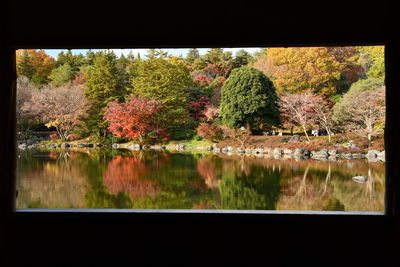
x: 180, y: 147
x: 268, y: 151
x: 372, y: 154
x: 346, y: 155
x: 299, y: 157
x: 22, y: 146
x: 323, y: 153
x: 240, y: 150
x: 277, y: 151
x: 381, y: 156
x: 65, y: 145
x: 332, y: 158
x: 248, y: 151
x: 333, y: 152
x: 359, y: 179
x: 287, y: 151
x: 294, y: 138
x: 258, y: 151
x: 356, y: 155
x: 216, y: 149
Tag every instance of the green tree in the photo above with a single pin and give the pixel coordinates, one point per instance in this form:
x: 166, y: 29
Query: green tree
x: 74, y: 61
x: 24, y: 66
x: 61, y: 75
x: 103, y: 85
x: 218, y: 62
x: 249, y: 99
x: 372, y: 59
x: 242, y: 58
x: 192, y: 55
x: 165, y: 79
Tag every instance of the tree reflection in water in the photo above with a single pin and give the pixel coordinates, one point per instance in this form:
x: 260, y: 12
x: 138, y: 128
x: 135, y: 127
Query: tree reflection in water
x: 167, y: 180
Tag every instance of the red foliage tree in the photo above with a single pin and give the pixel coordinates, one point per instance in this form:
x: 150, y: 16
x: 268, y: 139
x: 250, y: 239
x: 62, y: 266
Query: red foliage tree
x: 198, y: 107
x: 125, y: 174
x: 211, y: 132
x: 134, y: 118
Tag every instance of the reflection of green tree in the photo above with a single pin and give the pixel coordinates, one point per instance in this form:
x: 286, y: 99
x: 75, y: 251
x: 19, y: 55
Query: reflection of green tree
x: 181, y: 186
x: 258, y: 190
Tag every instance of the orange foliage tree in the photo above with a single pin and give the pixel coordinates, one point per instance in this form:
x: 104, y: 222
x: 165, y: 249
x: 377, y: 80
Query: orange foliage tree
x: 41, y: 64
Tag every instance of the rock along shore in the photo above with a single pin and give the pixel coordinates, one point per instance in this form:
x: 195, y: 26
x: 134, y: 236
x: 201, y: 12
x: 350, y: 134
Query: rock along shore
x: 277, y: 153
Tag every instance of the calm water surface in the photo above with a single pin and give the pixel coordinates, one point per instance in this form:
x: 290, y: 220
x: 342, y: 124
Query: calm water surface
x: 102, y: 178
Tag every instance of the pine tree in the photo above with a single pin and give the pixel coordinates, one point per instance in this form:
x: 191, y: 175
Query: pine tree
x: 103, y: 85
x: 25, y: 68
x: 192, y: 55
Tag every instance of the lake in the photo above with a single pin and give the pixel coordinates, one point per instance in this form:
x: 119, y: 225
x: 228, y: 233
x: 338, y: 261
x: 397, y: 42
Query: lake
x: 124, y: 179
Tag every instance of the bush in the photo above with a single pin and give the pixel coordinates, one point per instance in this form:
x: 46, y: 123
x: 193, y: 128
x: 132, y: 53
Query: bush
x: 210, y: 132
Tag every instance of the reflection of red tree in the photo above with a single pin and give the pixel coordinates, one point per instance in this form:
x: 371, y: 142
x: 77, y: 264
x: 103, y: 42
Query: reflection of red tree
x: 125, y: 174
x: 206, y: 170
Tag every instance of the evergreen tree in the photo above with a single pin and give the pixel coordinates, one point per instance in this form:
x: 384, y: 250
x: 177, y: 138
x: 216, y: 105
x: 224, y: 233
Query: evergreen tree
x: 249, y: 99
x: 103, y: 85
x: 165, y: 80
x: 242, y: 58
x: 25, y: 67
x: 74, y: 61
x: 192, y: 55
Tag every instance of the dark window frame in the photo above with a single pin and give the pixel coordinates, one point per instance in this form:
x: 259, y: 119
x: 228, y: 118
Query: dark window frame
x: 314, y: 239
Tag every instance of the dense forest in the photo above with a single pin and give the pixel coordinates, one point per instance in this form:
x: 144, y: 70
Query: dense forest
x: 210, y: 97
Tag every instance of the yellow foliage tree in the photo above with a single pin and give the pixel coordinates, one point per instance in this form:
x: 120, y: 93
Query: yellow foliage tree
x: 303, y: 69
x: 41, y: 63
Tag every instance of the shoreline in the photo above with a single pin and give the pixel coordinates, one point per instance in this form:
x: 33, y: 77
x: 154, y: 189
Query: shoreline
x: 277, y: 152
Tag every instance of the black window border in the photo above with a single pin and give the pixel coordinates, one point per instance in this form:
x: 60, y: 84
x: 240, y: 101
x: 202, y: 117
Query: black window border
x: 67, y: 238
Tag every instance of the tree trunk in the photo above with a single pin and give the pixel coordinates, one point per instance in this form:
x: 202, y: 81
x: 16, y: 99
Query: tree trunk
x: 305, y: 131
x: 329, y: 133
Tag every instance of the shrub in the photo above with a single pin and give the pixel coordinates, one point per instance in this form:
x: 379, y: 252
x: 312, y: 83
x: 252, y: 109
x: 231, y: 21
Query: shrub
x: 210, y: 132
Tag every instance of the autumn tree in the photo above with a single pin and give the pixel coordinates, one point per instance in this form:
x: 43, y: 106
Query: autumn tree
x: 210, y: 131
x: 103, y: 85
x: 249, y: 99
x: 323, y: 110
x: 166, y: 80
x: 361, y: 110
x: 60, y: 107
x: 300, y: 69
x: 24, y: 93
x: 372, y: 59
x: 132, y: 119
x: 298, y: 109
x: 41, y: 63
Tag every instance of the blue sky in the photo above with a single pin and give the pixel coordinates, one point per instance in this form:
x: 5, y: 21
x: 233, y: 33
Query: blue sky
x: 142, y: 52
